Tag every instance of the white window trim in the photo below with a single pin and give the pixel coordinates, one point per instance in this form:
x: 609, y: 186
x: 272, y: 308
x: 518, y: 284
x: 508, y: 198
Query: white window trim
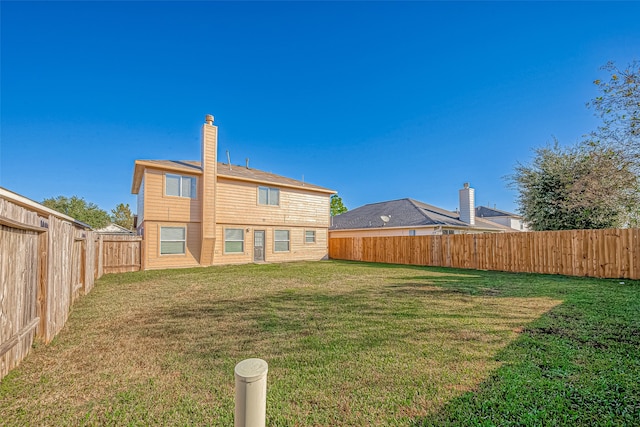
x: 276, y: 241
x: 268, y: 192
x: 160, y: 240
x: 315, y: 239
x: 195, y: 190
x: 224, y: 247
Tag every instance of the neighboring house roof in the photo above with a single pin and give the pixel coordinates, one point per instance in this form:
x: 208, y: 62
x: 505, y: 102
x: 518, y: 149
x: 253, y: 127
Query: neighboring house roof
x: 487, y: 212
x: 114, y: 229
x: 404, y: 213
x: 241, y: 173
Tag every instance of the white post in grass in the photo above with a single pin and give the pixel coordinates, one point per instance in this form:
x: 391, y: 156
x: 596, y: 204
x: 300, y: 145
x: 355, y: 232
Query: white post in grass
x: 251, y: 393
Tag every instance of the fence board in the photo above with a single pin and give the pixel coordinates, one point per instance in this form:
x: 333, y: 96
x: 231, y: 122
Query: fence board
x: 611, y: 253
x: 46, y: 262
x: 633, y: 243
x: 19, y: 237
x: 121, y: 254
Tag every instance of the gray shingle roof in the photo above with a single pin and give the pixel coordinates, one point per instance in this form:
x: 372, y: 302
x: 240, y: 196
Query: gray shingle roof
x: 402, y: 213
x: 237, y: 172
x: 487, y: 212
x: 268, y: 177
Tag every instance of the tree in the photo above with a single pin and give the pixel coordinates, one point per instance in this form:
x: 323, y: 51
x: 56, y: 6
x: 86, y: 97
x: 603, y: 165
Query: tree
x: 122, y: 216
x: 336, y: 205
x: 582, y: 187
x: 80, y: 209
x: 618, y: 105
x: 596, y: 183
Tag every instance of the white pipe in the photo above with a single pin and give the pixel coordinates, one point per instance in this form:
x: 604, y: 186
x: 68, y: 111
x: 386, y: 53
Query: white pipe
x: 251, y: 393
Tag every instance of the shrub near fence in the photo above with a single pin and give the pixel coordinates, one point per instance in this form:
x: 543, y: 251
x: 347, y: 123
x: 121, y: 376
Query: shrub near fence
x: 47, y: 260
x: 611, y: 253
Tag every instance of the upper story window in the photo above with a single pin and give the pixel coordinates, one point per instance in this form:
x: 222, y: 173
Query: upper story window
x: 268, y: 196
x: 180, y: 186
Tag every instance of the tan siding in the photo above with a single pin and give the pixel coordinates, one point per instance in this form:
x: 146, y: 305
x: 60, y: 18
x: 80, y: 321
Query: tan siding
x: 235, y: 258
x: 158, y: 207
x: 207, y: 191
x: 298, y: 249
x: 140, y: 203
x: 236, y: 206
x: 152, y: 246
x: 237, y: 203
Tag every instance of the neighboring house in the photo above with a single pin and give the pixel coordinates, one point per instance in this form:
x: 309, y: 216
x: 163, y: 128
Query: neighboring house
x: 408, y: 217
x: 114, y: 229
x: 206, y: 213
x: 501, y: 217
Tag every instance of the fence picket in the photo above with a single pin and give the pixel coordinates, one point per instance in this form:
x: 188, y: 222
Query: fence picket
x: 611, y: 253
x: 47, y: 262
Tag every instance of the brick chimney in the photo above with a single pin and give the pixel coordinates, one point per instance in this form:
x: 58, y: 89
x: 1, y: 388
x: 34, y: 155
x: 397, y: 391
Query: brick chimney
x: 209, y: 164
x: 467, y: 204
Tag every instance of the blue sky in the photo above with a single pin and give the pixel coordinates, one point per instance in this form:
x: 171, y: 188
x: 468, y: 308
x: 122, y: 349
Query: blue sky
x: 378, y: 101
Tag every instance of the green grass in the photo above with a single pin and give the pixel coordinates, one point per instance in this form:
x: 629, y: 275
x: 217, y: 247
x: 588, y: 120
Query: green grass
x: 347, y: 344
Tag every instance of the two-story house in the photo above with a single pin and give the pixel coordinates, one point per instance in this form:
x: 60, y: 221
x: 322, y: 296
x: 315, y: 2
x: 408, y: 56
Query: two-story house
x: 207, y: 213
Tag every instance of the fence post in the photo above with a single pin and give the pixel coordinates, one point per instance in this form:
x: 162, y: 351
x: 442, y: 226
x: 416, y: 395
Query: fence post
x: 251, y: 393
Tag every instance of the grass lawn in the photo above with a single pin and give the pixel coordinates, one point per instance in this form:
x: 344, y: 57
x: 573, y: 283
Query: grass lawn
x: 347, y: 344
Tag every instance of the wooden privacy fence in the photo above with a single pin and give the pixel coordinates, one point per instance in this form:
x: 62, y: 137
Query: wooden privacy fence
x: 120, y: 253
x: 611, y: 253
x: 47, y: 260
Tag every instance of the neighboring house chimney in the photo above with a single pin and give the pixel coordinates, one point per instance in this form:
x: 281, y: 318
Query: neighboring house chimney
x: 467, y: 205
x: 208, y: 189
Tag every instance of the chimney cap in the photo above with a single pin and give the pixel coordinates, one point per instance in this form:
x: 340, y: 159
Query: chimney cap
x: 209, y: 119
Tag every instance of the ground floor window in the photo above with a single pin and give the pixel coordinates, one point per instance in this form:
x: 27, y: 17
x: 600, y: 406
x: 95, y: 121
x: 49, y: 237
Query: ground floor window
x: 310, y: 236
x: 173, y: 240
x: 233, y: 240
x: 281, y: 241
